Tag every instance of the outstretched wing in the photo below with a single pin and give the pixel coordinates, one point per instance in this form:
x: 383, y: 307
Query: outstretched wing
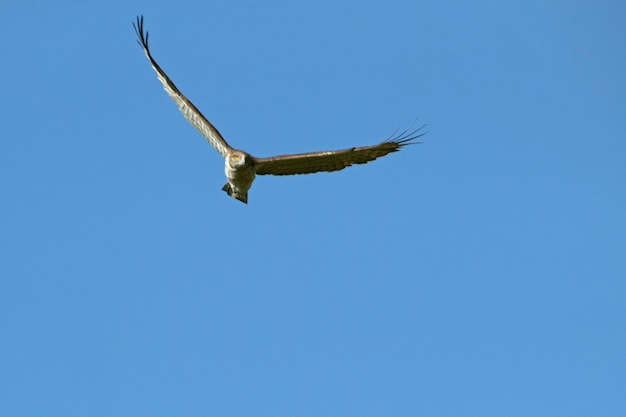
x: 186, y: 107
x: 329, y: 161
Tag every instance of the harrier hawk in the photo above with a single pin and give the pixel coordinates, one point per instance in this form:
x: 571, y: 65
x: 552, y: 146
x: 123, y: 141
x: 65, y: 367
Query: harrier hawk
x: 241, y: 167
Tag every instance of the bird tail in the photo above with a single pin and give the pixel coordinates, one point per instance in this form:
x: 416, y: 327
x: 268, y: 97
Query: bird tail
x: 241, y: 196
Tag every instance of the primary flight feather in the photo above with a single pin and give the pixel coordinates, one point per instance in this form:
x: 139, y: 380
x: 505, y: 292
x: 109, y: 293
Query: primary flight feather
x: 241, y: 167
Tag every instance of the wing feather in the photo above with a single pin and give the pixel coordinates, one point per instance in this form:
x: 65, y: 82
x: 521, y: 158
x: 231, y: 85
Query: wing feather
x: 329, y: 161
x: 186, y: 107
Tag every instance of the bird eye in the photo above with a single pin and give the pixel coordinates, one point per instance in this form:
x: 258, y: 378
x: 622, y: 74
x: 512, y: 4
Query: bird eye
x: 236, y: 157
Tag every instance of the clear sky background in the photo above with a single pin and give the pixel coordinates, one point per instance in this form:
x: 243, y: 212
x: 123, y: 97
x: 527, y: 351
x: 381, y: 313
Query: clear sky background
x: 481, y: 273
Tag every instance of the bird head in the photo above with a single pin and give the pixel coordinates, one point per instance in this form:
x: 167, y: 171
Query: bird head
x: 239, y: 159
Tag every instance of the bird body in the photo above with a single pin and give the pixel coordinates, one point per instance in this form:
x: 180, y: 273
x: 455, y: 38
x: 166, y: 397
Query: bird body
x: 241, y: 168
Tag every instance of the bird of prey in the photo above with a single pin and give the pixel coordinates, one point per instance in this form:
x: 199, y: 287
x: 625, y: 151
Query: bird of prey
x: 241, y: 167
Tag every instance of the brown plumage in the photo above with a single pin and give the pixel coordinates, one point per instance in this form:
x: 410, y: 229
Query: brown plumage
x: 241, y: 167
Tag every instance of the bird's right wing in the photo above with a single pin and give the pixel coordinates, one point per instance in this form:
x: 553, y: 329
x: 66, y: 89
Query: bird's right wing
x: 186, y: 107
x: 329, y: 161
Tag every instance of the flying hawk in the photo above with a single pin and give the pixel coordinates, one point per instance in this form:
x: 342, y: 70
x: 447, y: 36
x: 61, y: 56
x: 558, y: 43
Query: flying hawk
x: 241, y: 167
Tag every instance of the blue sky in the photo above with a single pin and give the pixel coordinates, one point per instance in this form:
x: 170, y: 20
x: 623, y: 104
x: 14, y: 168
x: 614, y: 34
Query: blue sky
x: 481, y: 273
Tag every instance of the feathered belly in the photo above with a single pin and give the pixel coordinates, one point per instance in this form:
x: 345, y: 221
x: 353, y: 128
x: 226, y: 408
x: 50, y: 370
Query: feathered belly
x: 241, y: 178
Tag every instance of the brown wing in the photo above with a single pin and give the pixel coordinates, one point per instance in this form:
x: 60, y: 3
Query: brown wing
x: 328, y: 161
x: 186, y: 107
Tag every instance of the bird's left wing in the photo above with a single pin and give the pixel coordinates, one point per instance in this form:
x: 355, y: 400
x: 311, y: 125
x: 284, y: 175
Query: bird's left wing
x: 186, y: 107
x: 329, y: 161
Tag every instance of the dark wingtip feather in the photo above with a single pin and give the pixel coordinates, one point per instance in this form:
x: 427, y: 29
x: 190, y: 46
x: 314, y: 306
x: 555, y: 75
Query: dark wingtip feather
x: 406, y: 137
x: 143, y: 38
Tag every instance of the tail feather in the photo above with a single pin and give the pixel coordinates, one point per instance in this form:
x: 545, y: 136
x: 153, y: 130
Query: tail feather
x: 243, y: 197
